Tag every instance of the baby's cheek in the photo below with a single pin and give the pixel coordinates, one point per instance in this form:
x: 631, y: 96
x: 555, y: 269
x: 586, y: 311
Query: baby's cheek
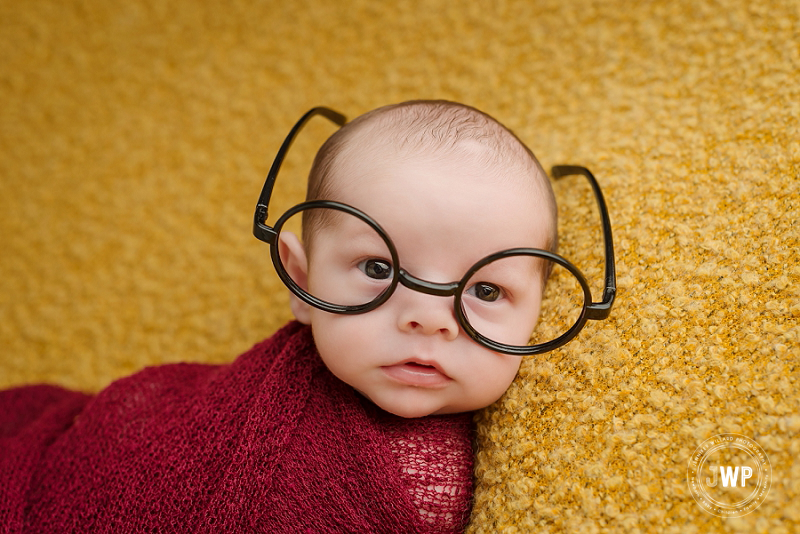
x: 341, y: 336
x: 495, y: 381
x: 349, y: 329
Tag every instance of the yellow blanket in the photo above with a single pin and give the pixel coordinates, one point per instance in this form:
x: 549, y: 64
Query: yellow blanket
x: 134, y: 137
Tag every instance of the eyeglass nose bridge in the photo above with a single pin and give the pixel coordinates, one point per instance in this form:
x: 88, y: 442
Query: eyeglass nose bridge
x: 424, y: 286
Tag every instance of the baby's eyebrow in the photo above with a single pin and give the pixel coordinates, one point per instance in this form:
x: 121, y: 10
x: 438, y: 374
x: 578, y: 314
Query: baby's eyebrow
x: 354, y: 235
x: 511, y: 267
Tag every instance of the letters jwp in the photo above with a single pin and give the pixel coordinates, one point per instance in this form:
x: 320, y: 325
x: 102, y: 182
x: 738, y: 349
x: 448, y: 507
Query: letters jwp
x: 728, y: 474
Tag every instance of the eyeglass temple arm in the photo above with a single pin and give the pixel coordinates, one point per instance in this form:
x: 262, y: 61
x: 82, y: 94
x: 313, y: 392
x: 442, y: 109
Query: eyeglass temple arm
x: 597, y: 310
x: 259, y: 223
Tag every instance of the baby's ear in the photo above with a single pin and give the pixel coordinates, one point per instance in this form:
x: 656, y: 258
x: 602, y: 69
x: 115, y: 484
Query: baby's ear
x: 295, y: 261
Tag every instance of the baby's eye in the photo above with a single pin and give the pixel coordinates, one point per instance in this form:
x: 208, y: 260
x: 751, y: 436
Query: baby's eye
x: 377, y: 269
x: 485, y: 291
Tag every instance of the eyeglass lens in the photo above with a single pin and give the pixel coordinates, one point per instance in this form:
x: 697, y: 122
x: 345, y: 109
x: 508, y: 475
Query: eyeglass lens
x: 510, y: 300
x: 349, y: 263
x: 513, y: 301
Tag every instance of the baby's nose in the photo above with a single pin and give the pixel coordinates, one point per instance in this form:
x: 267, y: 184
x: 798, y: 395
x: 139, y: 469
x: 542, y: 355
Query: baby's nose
x: 426, y: 314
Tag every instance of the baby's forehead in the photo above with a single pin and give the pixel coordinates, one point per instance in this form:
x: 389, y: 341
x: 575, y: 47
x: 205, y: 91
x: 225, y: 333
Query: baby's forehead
x: 460, y: 187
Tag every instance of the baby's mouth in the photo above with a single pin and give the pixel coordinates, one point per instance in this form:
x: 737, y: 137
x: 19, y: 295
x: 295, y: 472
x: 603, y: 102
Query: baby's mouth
x: 419, y: 365
x: 417, y: 373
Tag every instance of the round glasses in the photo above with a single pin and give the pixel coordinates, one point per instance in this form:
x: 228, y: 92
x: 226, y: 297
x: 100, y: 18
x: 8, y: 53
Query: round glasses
x: 517, y: 301
x: 354, y: 267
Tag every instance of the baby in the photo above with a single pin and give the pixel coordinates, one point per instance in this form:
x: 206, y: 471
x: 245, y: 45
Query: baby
x: 417, y: 281
x: 402, y: 202
x: 449, y: 186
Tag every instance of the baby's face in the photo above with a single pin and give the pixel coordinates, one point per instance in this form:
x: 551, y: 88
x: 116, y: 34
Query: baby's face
x: 443, y: 213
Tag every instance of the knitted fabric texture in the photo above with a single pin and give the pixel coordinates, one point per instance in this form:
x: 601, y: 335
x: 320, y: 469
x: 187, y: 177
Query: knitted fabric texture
x: 270, y: 443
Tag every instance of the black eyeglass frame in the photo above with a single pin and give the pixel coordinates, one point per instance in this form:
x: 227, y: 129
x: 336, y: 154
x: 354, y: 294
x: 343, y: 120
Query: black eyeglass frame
x: 591, y: 310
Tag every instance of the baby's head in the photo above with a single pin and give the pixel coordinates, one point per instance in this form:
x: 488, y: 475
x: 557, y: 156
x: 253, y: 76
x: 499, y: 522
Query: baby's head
x: 449, y: 186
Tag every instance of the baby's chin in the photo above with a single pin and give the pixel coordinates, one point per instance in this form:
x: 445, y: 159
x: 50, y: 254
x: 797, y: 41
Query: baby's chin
x: 409, y: 410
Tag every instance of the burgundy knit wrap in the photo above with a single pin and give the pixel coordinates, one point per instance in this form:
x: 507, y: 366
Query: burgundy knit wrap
x: 270, y: 443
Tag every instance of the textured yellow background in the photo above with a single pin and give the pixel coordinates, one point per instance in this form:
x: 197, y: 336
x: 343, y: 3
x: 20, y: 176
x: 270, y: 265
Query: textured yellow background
x: 134, y: 137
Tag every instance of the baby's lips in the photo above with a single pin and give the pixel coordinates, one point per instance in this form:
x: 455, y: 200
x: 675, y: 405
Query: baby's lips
x: 419, y: 373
